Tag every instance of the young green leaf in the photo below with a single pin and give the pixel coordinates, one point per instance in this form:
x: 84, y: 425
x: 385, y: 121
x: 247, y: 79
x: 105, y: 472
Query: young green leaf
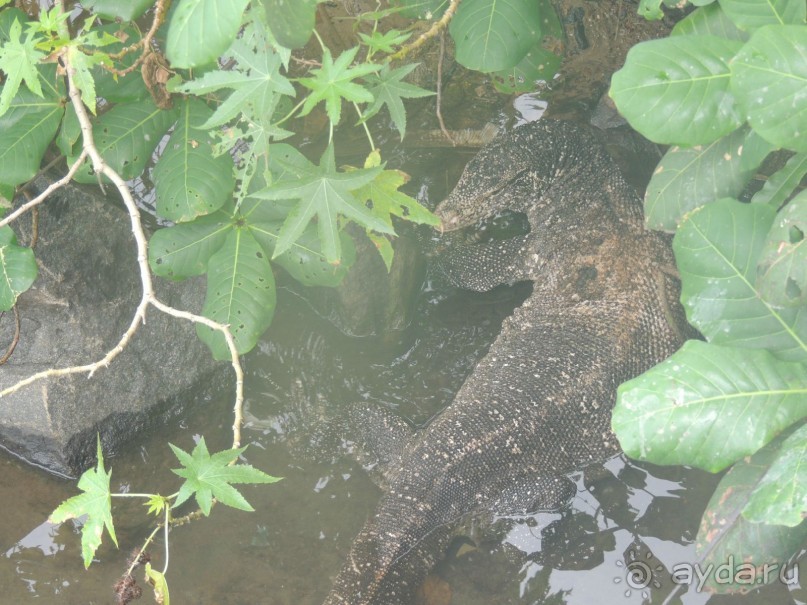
x: 383, y: 42
x: 156, y: 504
x: 334, y: 81
x: 207, y: 477
x: 325, y: 193
x: 96, y: 503
x: 18, y: 60
x: 716, y: 249
x: 388, y: 88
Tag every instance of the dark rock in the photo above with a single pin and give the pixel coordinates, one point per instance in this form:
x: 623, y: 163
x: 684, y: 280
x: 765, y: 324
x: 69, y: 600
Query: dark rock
x: 79, y: 307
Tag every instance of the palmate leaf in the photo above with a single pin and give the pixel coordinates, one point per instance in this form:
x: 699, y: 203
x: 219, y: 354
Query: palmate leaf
x: 325, y: 193
x: 782, y: 278
x: 726, y: 535
x: 676, y: 90
x: 207, y: 477
x: 334, y: 81
x: 717, y: 248
x: 708, y: 406
x: 388, y: 88
x: 189, y: 180
x: 240, y: 293
x: 18, y: 268
x: 96, y: 503
x: 18, y: 60
x: 491, y: 36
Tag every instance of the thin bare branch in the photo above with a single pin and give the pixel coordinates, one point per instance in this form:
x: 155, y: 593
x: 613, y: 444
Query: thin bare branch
x: 435, y: 29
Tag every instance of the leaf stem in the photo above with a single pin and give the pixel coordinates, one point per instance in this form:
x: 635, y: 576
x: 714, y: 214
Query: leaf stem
x: 142, y: 550
x: 363, y: 122
x: 147, y: 496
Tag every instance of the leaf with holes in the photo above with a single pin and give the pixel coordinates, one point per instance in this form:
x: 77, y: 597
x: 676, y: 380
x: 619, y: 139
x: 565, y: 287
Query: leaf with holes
x: 782, y: 277
x: 768, y: 78
x: 716, y: 249
x: 757, y: 552
x: 18, y: 268
x: 492, y: 36
x: 240, y: 293
x: 201, y: 30
x: 189, y: 180
x: 184, y: 250
x: 677, y: 90
x: 126, y: 136
x: 207, y: 477
x: 708, y: 406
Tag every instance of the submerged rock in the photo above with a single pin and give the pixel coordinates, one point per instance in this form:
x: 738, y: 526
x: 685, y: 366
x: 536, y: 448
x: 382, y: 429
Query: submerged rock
x: 79, y: 307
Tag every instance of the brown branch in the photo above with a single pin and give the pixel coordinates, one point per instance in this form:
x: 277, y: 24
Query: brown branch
x: 438, y: 110
x: 145, y: 42
x: 7, y: 355
x: 436, y: 28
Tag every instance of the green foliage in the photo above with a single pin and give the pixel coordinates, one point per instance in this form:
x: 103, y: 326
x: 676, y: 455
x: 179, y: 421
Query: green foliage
x: 388, y: 88
x: 125, y: 10
x: 291, y: 22
x: 742, y: 268
x: 201, y: 30
x: 18, y: 268
x: 96, y: 503
x: 18, y: 60
x: 207, y: 477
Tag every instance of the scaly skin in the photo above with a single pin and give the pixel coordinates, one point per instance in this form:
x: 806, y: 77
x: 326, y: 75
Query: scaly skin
x: 538, y: 405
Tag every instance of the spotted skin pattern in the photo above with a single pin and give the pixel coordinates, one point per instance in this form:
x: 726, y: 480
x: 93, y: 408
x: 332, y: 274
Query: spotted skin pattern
x: 604, y: 309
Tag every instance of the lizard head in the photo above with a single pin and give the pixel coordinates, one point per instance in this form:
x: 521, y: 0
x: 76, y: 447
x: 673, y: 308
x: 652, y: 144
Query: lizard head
x: 492, y: 181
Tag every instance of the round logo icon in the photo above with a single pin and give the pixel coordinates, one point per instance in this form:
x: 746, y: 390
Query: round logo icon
x: 639, y: 574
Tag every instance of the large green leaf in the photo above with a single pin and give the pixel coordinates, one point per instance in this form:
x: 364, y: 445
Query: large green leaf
x: 325, y: 193
x: 688, y: 177
x: 716, y: 249
x: 28, y: 127
x: 18, y: 268
x: 491, y: 36
x: 240, y: 293
x: 422, y: 9
x: 291, y: 22
x: 748, y: 553
x: 749, y: 15
x: 783, y: 182
x: 768, y: 77
x: 189, y: 180
x: 780, y: 497
x: 782, y: 278
x: 95, y: 503
x: 183, y: 250
x: 201, y: 30
x: 126, y: 136
x: 709, y: 20
x: 125, y: 10
x: 708, y: 406
x: 538, y: 65
x: 676, y: 90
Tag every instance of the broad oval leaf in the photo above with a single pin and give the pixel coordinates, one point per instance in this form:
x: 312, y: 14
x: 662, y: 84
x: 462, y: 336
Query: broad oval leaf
x: 709, y: 20
x: 768, y: 77
x: 422, y: 9
x: 126, y: 136
x: 18, y: 269
x: 291, y: 22
x: 240, y: 293
x: 676, y: 90
x: 780, y: 497
x: 190, y: 181
x: 183, y: 250
x: 708, y: 406
x: 726, y: 537
x: 28, y: 127
x: 749, y: 15
x: 782, y: 276
x: 716, y: 249
x: 491, y: 36
x: 688, y: 177
x: 201, y: 30
x: 783, y: 182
